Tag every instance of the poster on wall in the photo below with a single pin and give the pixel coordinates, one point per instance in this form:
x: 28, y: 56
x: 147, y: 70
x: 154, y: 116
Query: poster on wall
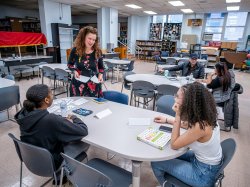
x: 172, y: 31
x: 155, y: 31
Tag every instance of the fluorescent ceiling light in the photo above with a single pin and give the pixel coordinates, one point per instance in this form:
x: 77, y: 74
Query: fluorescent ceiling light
x: 187, y: 10
x: 233, y: 1
x: 176, y: 3
x: 133, y: 6
x: 233, y: 8
x: 150, y: 12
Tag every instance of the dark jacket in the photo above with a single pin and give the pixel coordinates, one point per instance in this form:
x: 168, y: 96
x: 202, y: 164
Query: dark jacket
x: 49, y: 131
x: 198, y: 72
x: 231, y: 108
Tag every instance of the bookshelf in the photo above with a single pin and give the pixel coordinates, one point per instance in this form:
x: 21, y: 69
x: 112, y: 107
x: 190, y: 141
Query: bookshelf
x: 5, y: 25
x: 170, y: 46
x: 155, y: 31
x: 31, y: 26
x: 149, y: 46
x: 123, y: 33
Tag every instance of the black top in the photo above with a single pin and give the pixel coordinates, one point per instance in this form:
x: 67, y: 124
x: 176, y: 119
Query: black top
x: 215, y: 83
x: 49, y: 131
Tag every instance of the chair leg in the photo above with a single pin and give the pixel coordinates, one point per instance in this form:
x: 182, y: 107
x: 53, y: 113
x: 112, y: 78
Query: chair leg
x: 21, y: 174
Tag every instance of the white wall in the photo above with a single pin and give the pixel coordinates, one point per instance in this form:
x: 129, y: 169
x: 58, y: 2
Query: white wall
x: 197, y: 30
x: 242, y: 45
x: 52, y: 12
x: 17, y: 13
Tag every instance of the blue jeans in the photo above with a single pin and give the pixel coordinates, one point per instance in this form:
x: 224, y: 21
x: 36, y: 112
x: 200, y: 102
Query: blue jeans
x: 187, y: 169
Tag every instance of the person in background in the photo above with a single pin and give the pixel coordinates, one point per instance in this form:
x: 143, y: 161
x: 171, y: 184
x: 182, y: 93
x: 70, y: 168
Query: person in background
x: 196, y: 111
x: 188, y: 68
x: 222, y: 82
x: 47, y: 130
x: 86, y: 59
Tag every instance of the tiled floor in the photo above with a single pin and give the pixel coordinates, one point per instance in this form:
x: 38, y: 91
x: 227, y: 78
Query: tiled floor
x: 237, y: 172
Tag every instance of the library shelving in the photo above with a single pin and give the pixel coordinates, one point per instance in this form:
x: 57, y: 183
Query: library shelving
x: 170, y: 46
x: 33, y: 26
x: 148, y: 47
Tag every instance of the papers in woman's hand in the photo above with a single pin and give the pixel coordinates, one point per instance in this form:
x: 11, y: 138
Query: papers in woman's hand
x: 139, y: 121
x: 85, y: 79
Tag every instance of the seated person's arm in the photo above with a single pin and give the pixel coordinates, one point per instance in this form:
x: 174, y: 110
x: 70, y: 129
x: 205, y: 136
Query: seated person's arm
x: 214, y: 83
x: 69, y: 130
x: 169, y: 120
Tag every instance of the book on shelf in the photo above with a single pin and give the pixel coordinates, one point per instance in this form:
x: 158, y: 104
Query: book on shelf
x: 155, y: 137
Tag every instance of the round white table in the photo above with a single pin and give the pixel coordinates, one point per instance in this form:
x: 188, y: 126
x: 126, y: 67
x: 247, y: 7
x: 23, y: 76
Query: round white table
x: 154, y: 79
x: 6, y: 82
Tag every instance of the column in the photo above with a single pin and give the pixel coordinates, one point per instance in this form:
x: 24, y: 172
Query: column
x: 53, y: 12
x: 107, y: 24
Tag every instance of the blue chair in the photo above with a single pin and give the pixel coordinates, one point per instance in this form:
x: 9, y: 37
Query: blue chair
x: 204, y: 56
x: 10, y: 77
x: 228, y: 149
x: 164, y: 105
x: 164, y: 53
x: 115, y: 96
x: 158, y: 62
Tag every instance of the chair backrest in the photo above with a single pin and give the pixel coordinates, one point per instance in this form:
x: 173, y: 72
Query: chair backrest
x: 61, y: 74
x: 164, y: 105
x: 81, y: 174
x: 228, y: 149
x: 115, y: 96
x: 143, y: 89
x: 11, y: 97
x: 164, y: 89
x: 116, y: 58
x: 164, y: 53
x: 171, y: 61
x: 48, y: 72
x: 38, y: 160
x: 131, y: 65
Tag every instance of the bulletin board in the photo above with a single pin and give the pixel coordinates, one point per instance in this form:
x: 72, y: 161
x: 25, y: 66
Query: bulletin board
x: 172, y: 31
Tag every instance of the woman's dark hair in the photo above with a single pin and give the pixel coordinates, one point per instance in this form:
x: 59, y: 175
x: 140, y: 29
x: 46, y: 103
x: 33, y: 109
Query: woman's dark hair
x: 198, y: 106
x: 35, y: 96
x: 223, y: 73
x: 79, y: 42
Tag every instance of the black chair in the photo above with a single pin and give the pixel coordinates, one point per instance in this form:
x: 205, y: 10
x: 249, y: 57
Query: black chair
x: 158, y: 62
x: 95, y: 173
x: 38, y: 160
x: 145, y: 90
x: 164, y: 105
x: 115, y: 96
x: 127, y: 84
x: 129, y: 67
x: 21, y: 70
x: 171, y: 61
x: 61, y: 76
x: 10, y: 96
x: 228, y: 150
x: 49, y: 73
x: 164, y: 89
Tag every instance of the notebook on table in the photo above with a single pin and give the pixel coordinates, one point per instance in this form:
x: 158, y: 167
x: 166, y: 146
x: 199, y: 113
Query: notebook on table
x: 155, y: 137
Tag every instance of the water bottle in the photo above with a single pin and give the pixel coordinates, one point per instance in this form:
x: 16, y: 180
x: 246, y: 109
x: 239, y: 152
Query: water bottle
x: 191, y: 78
x: 63, y: 107
x: 166, y: 72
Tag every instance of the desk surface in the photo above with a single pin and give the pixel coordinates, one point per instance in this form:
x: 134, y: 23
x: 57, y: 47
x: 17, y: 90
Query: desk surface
x: 154, y: 79
x: 113, y: 134
x: 6, y: 82
x: 116, y: 61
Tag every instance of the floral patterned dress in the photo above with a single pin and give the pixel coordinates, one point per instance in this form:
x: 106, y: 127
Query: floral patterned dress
x: 86, y: 65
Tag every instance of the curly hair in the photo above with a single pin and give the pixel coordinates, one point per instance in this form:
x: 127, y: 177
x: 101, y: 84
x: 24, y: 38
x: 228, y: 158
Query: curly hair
x: 198, y: 106
x: 79, y: 42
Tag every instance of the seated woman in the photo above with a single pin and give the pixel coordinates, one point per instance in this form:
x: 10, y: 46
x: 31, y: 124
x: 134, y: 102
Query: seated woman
x: 48, y: 130
x: 222, y: 84
x: 196, y: 111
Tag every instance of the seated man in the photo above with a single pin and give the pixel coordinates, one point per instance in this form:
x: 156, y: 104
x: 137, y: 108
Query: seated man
x: 187, y: 68
x: 48, y: 130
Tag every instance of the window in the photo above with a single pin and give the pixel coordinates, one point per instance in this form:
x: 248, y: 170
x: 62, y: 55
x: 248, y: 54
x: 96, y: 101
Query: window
x: 175, y: 18
x: 214, y: 25
x: 235, y: 26
x: 159, y: 19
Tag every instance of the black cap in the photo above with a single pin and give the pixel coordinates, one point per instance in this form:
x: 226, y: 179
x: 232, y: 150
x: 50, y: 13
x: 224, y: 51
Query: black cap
x: 194, y: 56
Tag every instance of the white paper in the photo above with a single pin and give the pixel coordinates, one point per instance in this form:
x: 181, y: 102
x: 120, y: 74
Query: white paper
x: 95, y: 79
x: 53, y: 108
x: 139, y: 121
x: 83, y: 79
x: 67, y: 100
x: 79, y: 102
x: 103, y: 113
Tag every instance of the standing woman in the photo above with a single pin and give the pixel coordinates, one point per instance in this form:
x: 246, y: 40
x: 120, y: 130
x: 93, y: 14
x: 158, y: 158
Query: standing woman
x: 86, y: 59
x: 195, y: 110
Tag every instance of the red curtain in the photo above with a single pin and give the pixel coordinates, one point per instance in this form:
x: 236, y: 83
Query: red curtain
x: 14, y: 39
